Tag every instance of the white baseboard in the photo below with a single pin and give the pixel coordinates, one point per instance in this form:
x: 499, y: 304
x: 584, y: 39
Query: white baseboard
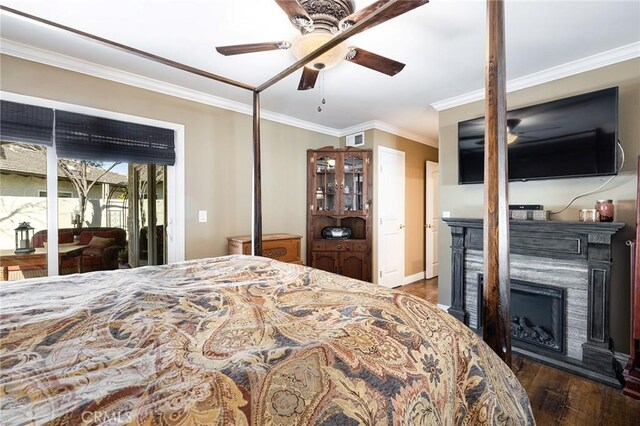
x: 413, y: 278
x: 443, y: 307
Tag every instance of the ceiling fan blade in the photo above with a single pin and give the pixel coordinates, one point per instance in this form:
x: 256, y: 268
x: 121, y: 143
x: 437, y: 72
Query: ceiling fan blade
x: 296, y: 13
x: 397, y: 9
x: 308, y: 78
x: 375, y: 62
x: 238, y: 49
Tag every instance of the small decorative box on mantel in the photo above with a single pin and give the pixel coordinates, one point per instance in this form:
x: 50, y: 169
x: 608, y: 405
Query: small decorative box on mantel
x: 529, y: 214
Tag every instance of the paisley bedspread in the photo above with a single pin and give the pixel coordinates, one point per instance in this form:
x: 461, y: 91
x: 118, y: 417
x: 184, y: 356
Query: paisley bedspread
x: 241, y: 340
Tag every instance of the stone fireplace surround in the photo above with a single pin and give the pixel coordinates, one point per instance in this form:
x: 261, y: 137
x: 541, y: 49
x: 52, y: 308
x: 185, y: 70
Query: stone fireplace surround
x: 572, y: 256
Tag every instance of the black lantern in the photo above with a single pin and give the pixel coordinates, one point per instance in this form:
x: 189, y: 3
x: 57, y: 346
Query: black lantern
x: 24, y: 234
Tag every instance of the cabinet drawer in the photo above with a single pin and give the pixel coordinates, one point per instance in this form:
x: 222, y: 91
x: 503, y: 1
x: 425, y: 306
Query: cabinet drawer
x: 282, y: 250
x: 319, y: 246
x: 337, y: 245
x: 358, y: 246
x: 341, y: 245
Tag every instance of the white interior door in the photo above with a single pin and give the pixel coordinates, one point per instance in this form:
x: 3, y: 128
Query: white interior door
x: 432, y: 219
x: 391, y: 223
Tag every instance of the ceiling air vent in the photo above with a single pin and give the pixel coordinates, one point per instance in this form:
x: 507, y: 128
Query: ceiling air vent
x: 357, y: 139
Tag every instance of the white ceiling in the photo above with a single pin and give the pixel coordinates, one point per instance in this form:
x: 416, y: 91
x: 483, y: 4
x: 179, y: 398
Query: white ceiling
x: 442, y: 43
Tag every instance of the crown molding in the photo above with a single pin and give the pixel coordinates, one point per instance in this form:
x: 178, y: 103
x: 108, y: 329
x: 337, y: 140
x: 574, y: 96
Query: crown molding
x: 357, y: 128
x: 69, y: 63
x: 599, y: 60
x: 386, y: 127
x: 45, y: 57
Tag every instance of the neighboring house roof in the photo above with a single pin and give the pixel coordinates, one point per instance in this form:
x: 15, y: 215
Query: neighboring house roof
x: 17, y: 159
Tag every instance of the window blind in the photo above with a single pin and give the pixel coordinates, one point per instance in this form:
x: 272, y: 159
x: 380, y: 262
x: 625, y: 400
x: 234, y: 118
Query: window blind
x: 95, y: 138
x: 26, y: 123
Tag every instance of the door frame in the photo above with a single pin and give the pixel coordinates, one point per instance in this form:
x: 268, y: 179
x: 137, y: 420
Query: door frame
x: 376, y: 215
x: 430, y: 201
x: 175, y: 177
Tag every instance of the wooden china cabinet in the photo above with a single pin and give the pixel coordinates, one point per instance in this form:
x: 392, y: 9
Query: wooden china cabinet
x: 339, y: 194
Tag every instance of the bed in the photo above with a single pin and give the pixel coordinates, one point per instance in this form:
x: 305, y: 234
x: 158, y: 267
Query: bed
x: 241, y: 340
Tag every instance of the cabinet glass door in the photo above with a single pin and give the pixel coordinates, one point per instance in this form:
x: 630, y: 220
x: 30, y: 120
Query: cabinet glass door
x: 353, y: 197
x: 326, y: 184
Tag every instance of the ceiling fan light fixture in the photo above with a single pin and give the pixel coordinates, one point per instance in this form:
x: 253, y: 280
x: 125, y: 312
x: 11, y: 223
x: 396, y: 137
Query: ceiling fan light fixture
x: 512, y: 123
x: 345, y: 24
x: 307, y: 43
x: 303, y: 22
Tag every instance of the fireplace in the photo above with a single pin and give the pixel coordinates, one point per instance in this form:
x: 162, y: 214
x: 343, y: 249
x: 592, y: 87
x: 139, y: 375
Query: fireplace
x: 563, y: 269
x: 537, y: 315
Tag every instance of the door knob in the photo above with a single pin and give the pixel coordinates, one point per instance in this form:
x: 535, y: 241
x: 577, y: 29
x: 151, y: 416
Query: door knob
x: 401, y: 226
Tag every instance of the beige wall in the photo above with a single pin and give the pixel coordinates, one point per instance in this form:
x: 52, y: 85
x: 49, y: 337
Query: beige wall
x: 218, y: 152
x: 467, y: 200
x: 416, y: 155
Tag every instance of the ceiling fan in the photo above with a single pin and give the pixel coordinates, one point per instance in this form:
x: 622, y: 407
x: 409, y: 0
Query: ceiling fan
x: 318, y: 22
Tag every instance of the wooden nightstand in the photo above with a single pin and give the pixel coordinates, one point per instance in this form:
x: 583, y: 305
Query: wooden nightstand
x: 282, y: 247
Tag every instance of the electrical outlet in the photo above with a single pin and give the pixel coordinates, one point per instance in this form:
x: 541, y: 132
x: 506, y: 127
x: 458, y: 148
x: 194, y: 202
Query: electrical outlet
x: 446, y: 214
x: 202, y: 216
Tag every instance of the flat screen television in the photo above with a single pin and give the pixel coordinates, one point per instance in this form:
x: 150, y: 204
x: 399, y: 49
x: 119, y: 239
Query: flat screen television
x: 570, y: 137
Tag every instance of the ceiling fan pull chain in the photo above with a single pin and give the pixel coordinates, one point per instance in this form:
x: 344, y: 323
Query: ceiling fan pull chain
x: 323, y: 101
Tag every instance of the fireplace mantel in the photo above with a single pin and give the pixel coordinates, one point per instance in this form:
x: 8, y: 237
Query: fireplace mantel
x: 579, y: 251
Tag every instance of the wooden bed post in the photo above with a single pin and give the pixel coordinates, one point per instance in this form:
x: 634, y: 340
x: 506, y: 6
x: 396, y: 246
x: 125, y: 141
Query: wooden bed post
x: 256, y: 228
x: 496, y: 300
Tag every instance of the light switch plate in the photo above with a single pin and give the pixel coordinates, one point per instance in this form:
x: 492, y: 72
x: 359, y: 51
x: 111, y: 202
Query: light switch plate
x: 202, y: 216
x: 446, y: 214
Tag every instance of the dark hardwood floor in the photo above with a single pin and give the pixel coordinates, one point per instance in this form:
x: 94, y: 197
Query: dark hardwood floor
x: 424, y: 289
x: 557, y: 397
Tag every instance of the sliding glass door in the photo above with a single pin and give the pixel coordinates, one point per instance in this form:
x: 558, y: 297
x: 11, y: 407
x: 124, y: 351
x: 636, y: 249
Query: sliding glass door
x: 95, y: 191
x: 91, y: 193
x: 148, y: 213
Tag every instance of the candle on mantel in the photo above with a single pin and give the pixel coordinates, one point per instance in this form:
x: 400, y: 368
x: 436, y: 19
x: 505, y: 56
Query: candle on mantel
x: 23, y: 244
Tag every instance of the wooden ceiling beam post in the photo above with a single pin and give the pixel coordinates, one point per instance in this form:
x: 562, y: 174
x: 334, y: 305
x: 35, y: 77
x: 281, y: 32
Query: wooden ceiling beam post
x: 496, y: 288
x: 256, y: 228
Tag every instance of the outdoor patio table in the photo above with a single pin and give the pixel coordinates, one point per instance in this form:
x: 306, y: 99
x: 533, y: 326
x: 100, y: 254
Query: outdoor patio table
x: 39, y: 257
